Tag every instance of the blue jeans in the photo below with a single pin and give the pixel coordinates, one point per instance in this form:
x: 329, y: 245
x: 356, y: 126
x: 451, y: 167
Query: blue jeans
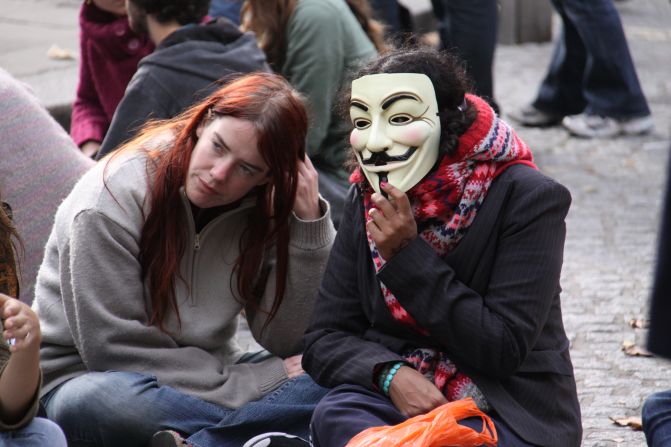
x: 123, y: 408
x: 591, y: 70
x: 39, y: 433
x: 226, y: 8
x: 657, y: 419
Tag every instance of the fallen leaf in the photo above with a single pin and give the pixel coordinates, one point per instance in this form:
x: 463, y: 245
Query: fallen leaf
x: 58, y: 53
x: 634, y: 422
x: 638, y: 323
x: 630, y: 348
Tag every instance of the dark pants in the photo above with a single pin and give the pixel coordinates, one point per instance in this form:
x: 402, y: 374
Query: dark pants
x: 348, y: 410
x: 591, y: 70
x: 469, y: 27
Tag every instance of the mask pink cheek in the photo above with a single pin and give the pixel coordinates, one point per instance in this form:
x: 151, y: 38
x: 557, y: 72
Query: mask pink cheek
x: 355, y: 139
x: 413, y: 135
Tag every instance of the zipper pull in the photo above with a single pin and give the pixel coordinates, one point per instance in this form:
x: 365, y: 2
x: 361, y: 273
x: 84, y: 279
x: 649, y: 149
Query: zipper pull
x: 196, y: 245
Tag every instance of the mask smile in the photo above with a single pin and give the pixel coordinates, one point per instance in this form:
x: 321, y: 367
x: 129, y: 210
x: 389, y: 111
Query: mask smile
x: 382, y: 158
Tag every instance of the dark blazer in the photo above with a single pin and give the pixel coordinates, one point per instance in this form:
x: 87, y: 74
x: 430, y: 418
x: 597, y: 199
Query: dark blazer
x: 492, y: 304
x: 659, y: 338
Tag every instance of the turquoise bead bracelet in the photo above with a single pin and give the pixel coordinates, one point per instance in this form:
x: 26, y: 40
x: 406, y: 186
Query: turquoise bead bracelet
x: 390, y: 376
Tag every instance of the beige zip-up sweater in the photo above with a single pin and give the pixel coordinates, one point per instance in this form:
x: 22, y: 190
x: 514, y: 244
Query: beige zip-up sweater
x: 94, y: 308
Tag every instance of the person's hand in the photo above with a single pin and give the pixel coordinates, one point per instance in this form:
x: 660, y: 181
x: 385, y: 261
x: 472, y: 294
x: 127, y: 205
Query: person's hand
x: 391, y: 223
x: 306, y: 205
x: 20, y: 324
x: 413, y: 394
x: 90, y: 148
x: 293, y: 366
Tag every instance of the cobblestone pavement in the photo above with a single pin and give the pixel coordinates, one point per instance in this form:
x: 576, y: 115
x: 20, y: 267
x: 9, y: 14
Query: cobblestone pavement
x: 613, y: 222
x: 612, y: 226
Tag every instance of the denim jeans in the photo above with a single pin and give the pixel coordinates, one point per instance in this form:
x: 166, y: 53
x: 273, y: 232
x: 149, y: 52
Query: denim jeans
x: 657, y: 419
x: 591, y: 70
x: 123, y: 408
x: 469, y: 27
x: 39, y: 433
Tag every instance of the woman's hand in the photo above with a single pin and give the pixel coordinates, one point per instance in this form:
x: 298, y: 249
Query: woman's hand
x: 293, y: 366
x: 20, y: 324
x: 391, y: 223
x: 306, y: 205
x: 413, y: 394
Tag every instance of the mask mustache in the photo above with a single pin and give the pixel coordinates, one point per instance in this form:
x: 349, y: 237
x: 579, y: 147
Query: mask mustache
x: 382, y: 158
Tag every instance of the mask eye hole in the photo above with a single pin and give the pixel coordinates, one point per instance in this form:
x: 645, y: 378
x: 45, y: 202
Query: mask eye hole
x: 361, y: 123
x: 400, y: 119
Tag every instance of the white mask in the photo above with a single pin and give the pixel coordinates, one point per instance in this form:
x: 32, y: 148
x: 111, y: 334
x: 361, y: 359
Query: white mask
x: 396, y: 128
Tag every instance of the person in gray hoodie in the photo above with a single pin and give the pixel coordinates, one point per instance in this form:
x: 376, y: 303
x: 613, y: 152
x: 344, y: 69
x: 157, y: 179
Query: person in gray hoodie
x: 151, y: 259
x: 190, y: 57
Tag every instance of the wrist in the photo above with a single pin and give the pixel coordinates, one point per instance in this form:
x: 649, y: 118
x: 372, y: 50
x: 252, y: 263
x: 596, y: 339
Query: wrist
x: 388, y: 377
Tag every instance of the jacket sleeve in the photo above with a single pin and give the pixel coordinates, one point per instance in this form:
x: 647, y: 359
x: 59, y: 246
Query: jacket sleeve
x: 107, y: 315
x: 313, y: 65
x: 494, y: 332
x: 309, y: 247
x: 144, y: 99
x: 335, y: 350
x: 89, y: 121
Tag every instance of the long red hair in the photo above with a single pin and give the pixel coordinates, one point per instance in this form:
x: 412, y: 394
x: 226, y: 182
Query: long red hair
x: 278, y: 115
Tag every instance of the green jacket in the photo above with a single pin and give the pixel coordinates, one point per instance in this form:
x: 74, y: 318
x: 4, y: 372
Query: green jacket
x: 324, y: 43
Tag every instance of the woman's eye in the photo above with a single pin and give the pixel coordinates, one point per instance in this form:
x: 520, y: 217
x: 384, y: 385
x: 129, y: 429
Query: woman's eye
x: 400, y: 119
x: 246, y: 170
x: 361, y: 123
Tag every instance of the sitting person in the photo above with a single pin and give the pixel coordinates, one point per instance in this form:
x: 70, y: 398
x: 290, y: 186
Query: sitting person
x: 153, y: 256
x: 443, y: 281
x: 109, y: 52
x: 189, y: 59
x: 19, y: 357
x: 39, y: 165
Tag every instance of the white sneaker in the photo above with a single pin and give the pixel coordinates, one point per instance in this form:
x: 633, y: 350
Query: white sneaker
x: 595, y: 126
x: 276, y: 439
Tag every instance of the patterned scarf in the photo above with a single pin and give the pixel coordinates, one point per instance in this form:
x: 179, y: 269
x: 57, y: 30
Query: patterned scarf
x: 444, y: 205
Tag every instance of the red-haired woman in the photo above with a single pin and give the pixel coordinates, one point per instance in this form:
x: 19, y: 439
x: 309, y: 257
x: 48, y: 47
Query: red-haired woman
x: 154, y: 254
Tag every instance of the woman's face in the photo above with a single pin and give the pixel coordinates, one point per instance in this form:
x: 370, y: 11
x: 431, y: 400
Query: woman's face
x: 225, y: 164
x: 116, y: 7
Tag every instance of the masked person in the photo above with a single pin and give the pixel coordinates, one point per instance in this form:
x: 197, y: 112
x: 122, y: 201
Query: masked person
x: 443, y: 281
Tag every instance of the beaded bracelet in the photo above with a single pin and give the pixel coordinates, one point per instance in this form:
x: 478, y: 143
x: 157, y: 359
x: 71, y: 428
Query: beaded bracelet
x: 390, y: 376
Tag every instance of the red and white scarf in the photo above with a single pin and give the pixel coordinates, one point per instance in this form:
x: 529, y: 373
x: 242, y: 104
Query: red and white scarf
x: 444, y: 205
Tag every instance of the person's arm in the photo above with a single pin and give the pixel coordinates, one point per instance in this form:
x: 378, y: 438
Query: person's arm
x: 105, y: 307
x: 88, y: 121
x: 335, y: 350
x: 20, y: 378
x: 313, y: 65
x: 144, y: 99
x: 311, y: 238
x: 492, y: 333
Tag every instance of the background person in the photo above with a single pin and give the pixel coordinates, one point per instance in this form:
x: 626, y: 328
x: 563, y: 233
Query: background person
x: 189, y: 60
x: 19, y: 356
x: 151, y: 259
x: 108, y: 53
x: 314, y: 44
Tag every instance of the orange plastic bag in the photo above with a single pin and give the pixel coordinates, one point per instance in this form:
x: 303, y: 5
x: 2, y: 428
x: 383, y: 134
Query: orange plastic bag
x: 438, y: 428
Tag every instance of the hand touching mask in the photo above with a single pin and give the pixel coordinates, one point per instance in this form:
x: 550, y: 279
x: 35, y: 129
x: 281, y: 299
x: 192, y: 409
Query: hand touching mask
x: 396, y: 128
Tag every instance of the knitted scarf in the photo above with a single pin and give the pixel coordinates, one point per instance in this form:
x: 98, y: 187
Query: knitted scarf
x: 444, y: 205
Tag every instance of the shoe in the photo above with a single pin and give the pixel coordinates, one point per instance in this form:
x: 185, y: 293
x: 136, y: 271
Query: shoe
x: 532, y: 117
x: 168, y: 438
x: 276, y: 439
x: 595, y: 126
